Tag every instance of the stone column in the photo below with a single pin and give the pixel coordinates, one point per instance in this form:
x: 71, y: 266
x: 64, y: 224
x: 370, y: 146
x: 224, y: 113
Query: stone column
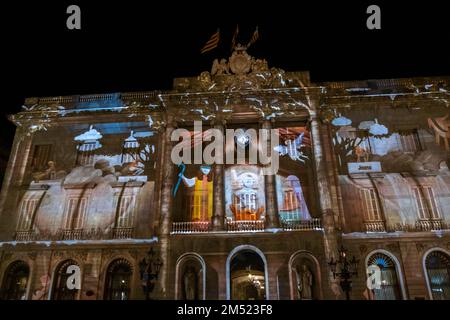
x: 13, y: 180
x: 218, y: 218
x: 168, y: 169
x: 318, y: 136
x: 272, y: 220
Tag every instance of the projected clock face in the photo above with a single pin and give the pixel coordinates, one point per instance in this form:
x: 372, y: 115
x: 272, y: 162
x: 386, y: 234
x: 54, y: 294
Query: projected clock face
x: 248, y: 180
x: 243, y: 139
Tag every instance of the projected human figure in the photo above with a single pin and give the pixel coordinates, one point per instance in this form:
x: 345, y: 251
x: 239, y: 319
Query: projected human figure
x: 202, y: 199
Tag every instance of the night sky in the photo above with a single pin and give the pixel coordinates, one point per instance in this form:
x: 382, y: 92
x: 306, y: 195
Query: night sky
x: 143, y: 45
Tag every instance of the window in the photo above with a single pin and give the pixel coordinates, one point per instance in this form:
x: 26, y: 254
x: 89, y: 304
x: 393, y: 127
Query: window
x: 26, y: 213
x: 426, y: 203
x: 75, y: 213
x: 291, y: 201
x: 118, y: 277
x: 437, y: 266
x: 408, y: 141
x: 15, y: 281
x: 371, y: 206
x: 41, y: 156
x: 390, y: 289
x: 125, y: 218
x: 60, y: 291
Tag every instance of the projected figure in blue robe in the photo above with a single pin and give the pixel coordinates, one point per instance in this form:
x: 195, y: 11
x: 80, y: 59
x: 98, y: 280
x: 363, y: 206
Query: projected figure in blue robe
x: 294, y: 205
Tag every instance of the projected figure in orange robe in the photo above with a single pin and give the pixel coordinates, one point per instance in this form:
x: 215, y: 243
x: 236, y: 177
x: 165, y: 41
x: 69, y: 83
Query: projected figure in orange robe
x: 202, y: 197
x: 294, y: 204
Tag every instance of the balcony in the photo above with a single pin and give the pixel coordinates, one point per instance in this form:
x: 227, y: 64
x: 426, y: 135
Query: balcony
x: 123, y: 233
x: 302, y: 225
x: 236, y: 226
x: 191, y: 227
x: 72, y: 234
x: 375, y: 226
x: 429, y: 225
x: 29, y: 235
x: 244, y: 225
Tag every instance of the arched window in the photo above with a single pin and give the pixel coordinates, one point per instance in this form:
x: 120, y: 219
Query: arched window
x: 60, y: 290
x: 390, y: 287
x: 437, y: 264
x: 15, y: 281
x: 118, y: 277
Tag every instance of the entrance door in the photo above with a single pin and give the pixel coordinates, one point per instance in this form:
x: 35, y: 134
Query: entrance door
x: 247, y: 276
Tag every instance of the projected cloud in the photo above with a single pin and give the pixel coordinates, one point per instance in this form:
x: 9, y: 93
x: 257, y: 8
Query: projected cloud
x: 378, y: 129
x: 365, y: 125
x: 341, y: 121
x: 91, y: 134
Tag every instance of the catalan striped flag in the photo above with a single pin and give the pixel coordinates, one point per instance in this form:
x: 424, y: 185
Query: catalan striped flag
x: 235, y: 35
x: 212, y: 43
x: 255, y: 37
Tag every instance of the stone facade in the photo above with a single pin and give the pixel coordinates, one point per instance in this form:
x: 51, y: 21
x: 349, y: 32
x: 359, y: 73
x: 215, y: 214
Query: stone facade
x: 90, y: 179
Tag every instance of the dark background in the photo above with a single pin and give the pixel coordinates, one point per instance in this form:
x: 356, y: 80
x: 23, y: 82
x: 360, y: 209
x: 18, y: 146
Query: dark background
x: 142, y: 45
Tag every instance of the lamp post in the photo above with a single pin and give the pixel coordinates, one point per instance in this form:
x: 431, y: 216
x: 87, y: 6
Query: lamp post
x: 347, y: 269
x: 149, y: 268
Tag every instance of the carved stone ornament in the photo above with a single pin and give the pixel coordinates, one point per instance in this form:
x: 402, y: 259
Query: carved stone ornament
x: 240, y: 61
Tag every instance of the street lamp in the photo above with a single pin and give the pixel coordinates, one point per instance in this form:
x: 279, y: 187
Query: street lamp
x: 347, y: 269
x: 149, y: 268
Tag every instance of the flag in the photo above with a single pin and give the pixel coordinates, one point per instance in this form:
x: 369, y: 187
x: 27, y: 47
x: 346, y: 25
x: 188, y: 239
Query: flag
x: 233, y: 41
x: 212, y: 42
x: 255, y: 37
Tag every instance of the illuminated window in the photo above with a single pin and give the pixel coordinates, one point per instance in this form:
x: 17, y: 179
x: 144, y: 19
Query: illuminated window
x: 371, y: 205
x: 437, y: 264
x: 118, y: 277
x: 246, y: 205
x: 60, y: 291
x: 125, y: 217
x: 390, y: 289
x: 26, y: 213
x: 75, y: 213
x: 291, y: 202
x: 426, y: 203
x: 15, y: 281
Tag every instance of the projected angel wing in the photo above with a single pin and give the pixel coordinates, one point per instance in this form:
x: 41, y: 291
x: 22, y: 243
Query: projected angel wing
x: 299, y: 140
x: 283, y: 150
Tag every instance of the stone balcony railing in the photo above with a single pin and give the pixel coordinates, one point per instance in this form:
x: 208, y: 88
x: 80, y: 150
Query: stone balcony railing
x: 375, y: 226
x: 244, y: 225
x: 236, y: 226
x: 75, y: 234
x: 205, y: 226
x: 123, y: 233
x: 72, y: 234
x: 191, y: 227
x: 429, y: 225
x: 29, y: 235
x: 302, y: 225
